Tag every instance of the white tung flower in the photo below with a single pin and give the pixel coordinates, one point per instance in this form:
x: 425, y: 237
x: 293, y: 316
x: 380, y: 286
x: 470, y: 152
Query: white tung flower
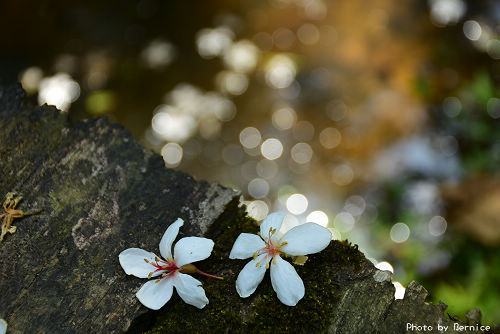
x: 3, y: 326
x: 304, y: 239
x: 143, y: 264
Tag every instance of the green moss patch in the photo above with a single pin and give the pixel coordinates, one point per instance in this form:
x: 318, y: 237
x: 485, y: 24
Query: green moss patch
x: 323, y: 274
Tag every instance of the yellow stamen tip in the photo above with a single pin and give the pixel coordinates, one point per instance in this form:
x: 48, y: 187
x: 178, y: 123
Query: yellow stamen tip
x: 284, y: 243
x: 257, y: 264
x: 274, y: 261
x: 267, y: 265
x: 255, y: 256
x: 146, y: 260
x: 157, y: 281
x: 150, y: 274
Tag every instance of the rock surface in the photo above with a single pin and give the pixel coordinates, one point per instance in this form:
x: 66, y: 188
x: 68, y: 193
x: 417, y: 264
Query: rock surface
x: 102, y: 192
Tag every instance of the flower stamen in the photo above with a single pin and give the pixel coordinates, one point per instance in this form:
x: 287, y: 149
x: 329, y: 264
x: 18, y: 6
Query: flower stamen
x: 165, y: 275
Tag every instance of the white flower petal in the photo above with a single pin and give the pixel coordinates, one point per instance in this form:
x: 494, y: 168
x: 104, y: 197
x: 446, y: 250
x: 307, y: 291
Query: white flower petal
x: 168, y: 238
x: 246, y: 245
x: 286, y: 282
x: 308, y: 238
x: 190, y: 290
x: 132, y: 261
x: 155, y: 295
x: 251, y: 275
x: 274, y: 221
x: 192, y: 249
x: 3, y: 326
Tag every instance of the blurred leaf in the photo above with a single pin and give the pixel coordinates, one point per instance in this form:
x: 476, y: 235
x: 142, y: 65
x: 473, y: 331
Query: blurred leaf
x: 482, y: 87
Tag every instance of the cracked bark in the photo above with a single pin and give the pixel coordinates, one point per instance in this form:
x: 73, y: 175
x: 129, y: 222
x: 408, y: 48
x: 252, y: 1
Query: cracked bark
x: 102, y: 192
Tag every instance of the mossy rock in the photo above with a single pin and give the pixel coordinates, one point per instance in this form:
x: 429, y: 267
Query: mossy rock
x: 102, y: 192
x: 261, y: 312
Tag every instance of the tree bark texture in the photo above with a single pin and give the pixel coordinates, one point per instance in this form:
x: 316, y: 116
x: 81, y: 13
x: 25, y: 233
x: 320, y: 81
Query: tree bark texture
x: 102, y: 192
